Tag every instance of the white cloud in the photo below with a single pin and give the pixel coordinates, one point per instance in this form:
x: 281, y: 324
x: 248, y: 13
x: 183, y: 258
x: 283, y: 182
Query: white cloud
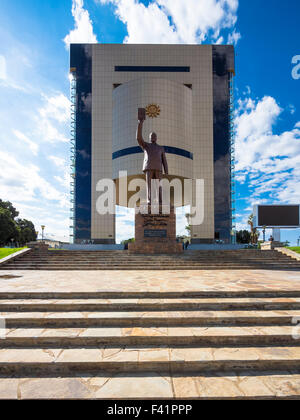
x: 3, y: 73
x: 14, y: 66
x: 242, y: 226
x: 54, y: 117
x: 34, y: 197
x: 270, y: 160
x: 234, y: 38
x: 5, y: 78
x: 22, y: 179
x: 32, y: 145
x: 176, y: 21
x: 292, y: 109
x: 58, y: 161
x: 181, y: 220
x: 64, y: 181
x: 56, y: 107
x: 50, y: 133
x: 63, y: 177
x: 83, y: 31
x: 124, y: 223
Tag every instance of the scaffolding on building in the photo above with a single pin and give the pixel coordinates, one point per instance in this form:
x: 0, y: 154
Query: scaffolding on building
x: 72, y: 152
x: 232, y: 155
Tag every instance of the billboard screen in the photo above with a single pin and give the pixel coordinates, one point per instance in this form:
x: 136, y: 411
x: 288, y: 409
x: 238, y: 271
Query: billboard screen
x: 278, y: 216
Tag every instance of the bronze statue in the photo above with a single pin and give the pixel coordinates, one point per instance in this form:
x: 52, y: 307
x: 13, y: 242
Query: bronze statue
x: 154, y: 156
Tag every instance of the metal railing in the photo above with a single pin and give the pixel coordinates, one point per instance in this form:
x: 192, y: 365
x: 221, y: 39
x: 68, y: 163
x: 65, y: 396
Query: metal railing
x: 232, y: 155
x: 72, y: 151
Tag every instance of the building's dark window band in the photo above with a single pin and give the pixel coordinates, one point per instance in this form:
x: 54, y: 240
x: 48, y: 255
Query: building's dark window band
x: 137, y: 149
x: 80, y: 58
x: 168, y: 69
x: 188, y: 85
x: 222, y: 147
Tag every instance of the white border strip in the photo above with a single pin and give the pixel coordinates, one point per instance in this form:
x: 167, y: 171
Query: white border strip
x: 14, y: 255
x: 289, y: 252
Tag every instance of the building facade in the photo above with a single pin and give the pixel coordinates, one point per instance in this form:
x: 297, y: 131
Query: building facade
x: 192, y: 85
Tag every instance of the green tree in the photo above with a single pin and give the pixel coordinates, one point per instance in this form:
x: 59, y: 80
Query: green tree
x: 188, y: 227
x: 243, y: 237
x: 20, y: 230
x: 127, y: 241
x: 26, y: 231
x: 7, y: 205
x: 8, y: 229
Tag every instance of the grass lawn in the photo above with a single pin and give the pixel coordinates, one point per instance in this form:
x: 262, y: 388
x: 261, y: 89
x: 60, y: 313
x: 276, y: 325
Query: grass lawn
x: 4, y: 252
x: 295, y: 248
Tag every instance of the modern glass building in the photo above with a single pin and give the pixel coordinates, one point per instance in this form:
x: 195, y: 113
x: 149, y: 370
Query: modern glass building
x: 193, y: 87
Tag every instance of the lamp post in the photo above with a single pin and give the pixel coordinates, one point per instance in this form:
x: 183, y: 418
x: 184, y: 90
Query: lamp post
x: 264, y: 233
x: 43, y: 227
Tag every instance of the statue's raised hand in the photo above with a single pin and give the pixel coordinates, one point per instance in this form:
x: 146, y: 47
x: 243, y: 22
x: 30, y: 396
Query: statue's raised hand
x: 141, y: 115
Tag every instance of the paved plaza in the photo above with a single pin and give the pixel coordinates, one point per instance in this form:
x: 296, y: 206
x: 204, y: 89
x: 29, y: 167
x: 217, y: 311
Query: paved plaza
x: 148, y: 281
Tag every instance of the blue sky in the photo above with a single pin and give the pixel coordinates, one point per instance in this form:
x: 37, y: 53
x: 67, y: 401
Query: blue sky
x: 34, y: 101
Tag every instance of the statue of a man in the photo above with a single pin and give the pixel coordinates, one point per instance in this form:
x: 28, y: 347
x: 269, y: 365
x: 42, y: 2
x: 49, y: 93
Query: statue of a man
x: 154, y: 156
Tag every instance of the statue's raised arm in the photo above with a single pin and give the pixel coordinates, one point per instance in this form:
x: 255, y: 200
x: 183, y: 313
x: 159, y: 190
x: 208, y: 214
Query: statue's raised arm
x: 139, y: 132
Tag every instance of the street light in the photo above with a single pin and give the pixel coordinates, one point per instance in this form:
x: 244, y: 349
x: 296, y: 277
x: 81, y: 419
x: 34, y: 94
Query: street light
x: 43, y: 227
x: 264, y: 233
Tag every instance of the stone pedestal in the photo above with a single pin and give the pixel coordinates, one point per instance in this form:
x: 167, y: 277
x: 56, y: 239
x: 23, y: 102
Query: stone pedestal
x: 155, y: 232
x: 266, y: 246
x: 38, y: 246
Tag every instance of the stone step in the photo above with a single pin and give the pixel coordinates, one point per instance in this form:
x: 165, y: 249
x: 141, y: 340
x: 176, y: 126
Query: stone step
x: 153, y: 336
x: 154, y: 301
x: 138, y: 264
x: 120, y: 295
x: 150, y: 268
x: 37, y: 362
x: 153, y: 263
x: 229, y: 385
x: 186, y: 304
x: 138, y: 319
x: 188, y: 252
x: 131, y: 266
x: 122, y: 260
x: 159, y: 257
x: 153, y: 258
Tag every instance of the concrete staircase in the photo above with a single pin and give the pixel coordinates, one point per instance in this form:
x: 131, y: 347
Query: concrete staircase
x: 150, y: 344
x: 122, y: 260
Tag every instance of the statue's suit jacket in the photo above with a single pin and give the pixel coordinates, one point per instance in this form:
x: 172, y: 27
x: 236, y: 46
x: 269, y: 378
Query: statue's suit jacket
x: 154, y: 157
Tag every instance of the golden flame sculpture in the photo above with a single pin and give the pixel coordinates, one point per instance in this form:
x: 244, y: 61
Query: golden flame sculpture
x: 152, y: 110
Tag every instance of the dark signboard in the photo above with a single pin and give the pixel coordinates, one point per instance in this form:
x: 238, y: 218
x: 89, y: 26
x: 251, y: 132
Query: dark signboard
x: 155, y: 233
x: 278, y: 216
